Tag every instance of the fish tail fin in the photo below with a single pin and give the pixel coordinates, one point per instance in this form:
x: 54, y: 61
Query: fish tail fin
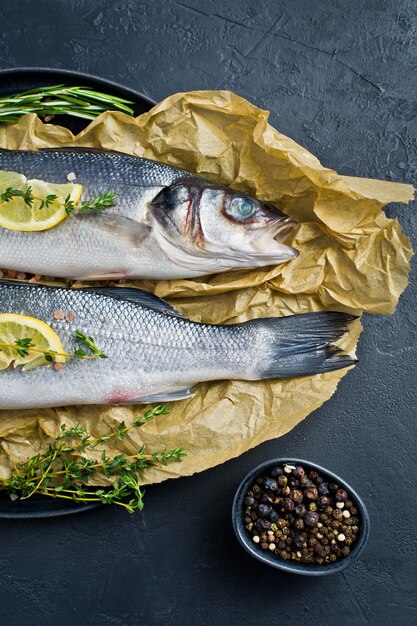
x: 301, y: 345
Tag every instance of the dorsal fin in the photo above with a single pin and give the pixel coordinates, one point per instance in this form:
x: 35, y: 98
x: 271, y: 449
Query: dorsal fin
x: 82, y: 149
x: 143, y: 298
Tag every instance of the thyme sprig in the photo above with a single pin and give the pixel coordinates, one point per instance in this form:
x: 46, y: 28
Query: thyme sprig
x: 64, y: 470
x: 25, y: 345
x: 60, y: 100
x: 100, y: 202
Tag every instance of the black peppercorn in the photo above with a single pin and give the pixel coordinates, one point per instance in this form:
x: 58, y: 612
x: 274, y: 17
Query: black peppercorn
x: 273, y: 517
x: 313, y: 474
x: 341, y: 495
x: 299, y: 523
x: 293, y: 482
x: 333, y: 487
x: 296, y: 495
x: 267, y: 498
x: 305, y: 481
x: 271, y: 484
x: 249, y: 501
x: 323, y: 502
x: 299, y: 540
x: 264, y: 510
x: 311, y: 518
x: 277, y: 471
x: 263, y: 524
x: 324, y: 489
x: 298, y: 472
x: 300, y: 510
x: 287, y: 505
x: 311, y: 493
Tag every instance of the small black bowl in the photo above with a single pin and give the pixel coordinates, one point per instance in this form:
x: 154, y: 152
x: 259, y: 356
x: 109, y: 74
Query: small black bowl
x: 270, y: 559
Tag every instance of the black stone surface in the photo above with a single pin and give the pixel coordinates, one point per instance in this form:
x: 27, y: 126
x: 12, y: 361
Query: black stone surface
x: 339, y: 78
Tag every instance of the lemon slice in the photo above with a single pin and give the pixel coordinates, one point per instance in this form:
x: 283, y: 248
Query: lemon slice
x: 15, y: 327
x: 17, y: 215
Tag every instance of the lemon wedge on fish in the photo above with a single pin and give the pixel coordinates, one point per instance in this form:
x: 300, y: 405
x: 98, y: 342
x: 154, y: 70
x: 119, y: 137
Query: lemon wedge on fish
x: 16, y: 214
x: 18, y: 331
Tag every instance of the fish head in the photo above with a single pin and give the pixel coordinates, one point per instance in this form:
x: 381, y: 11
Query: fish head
x: 208, y: 227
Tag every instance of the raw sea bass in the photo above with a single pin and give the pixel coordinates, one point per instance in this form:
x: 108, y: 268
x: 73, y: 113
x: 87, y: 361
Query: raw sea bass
x: 167, y: 223
x: 154, y: 353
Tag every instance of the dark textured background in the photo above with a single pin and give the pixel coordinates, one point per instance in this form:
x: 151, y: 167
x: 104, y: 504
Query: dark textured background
x: 339, y: 78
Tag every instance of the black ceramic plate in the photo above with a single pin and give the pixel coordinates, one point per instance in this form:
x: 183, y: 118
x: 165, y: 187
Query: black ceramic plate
x: 14, y: 81
x: 40, y: 506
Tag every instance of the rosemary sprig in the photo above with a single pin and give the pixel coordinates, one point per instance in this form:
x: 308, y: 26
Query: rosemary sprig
x: 100, y: 202
x: 24, y: 346
x: 61, y: 100
x: 64, y: 470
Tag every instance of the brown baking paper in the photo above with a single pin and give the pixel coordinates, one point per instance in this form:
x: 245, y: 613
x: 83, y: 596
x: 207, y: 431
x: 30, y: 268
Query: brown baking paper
x: 352, y: 258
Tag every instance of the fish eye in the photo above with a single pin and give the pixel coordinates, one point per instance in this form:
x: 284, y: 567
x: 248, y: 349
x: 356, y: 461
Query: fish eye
x: 241, y: 208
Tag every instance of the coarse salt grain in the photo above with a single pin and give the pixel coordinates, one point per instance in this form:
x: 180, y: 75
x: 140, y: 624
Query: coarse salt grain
x: 71, y: 176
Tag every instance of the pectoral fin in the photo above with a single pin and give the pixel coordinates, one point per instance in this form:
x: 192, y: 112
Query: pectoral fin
x: 132, y: 233
x: 179, y: 393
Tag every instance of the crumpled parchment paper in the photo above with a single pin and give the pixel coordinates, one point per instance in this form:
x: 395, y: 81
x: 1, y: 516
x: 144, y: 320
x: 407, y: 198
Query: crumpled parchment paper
x: 352, y: 258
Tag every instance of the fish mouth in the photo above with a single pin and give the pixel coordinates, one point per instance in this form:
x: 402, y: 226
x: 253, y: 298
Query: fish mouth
x: 269, y: 247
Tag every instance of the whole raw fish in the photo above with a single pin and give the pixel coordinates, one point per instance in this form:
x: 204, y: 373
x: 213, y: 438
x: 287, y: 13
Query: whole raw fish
x: 167, y: 223
x: 154, y: 353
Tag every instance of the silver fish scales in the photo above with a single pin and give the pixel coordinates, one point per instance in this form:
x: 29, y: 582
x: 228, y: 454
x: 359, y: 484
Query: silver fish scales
x: 154, y: 353
x: 167, y: 223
